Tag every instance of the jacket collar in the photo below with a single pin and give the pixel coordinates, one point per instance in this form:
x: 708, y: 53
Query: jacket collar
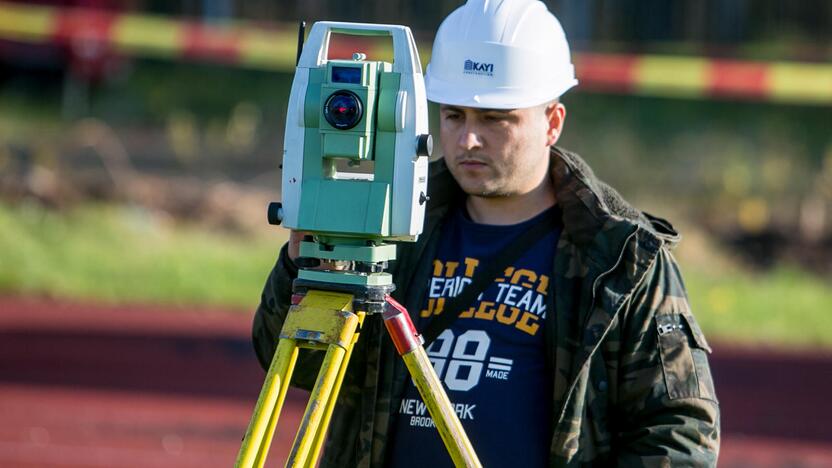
x: 589, y: 206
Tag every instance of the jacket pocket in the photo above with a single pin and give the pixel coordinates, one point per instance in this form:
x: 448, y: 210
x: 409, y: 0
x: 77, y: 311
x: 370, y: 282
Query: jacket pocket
x: 684, y: 354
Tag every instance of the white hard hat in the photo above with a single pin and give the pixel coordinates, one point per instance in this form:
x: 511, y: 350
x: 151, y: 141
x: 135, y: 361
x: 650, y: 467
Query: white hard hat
x: 499, y: 54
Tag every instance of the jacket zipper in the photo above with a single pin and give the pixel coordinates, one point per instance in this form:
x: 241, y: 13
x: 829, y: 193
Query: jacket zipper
x: 604, y: 274
x: 591, y: 308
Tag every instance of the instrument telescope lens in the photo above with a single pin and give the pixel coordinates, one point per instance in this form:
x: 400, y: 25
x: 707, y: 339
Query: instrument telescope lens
x: 343, y: 109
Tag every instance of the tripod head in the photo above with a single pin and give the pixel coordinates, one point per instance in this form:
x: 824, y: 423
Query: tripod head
x: 355, y: 151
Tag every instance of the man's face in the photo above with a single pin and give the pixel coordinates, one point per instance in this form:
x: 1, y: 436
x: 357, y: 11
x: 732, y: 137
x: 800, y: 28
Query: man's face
x: 499, y: 153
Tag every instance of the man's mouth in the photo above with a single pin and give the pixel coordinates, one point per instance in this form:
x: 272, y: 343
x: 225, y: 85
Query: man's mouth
x: 471, y: 163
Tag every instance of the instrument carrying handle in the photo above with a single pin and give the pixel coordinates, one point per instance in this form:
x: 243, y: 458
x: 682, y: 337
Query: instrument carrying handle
x: 405, y: 57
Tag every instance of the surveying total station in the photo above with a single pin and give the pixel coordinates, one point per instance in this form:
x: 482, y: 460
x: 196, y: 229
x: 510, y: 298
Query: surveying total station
x: 355, y: 161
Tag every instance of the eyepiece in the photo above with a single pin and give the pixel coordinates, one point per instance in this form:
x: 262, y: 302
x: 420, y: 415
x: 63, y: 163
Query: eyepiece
x: 343, y: 109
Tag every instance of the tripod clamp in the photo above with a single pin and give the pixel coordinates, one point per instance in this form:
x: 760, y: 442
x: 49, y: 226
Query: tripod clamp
x: 373, y: 300
x: 369, y: 298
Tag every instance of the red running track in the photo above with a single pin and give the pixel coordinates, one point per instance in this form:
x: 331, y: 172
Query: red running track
x: 138, y: 386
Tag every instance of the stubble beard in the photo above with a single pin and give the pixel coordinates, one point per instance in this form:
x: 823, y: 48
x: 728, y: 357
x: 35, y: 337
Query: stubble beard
x: 500, y: 181
x: 494, y: 187
x: 503, y: 179
x: 492, y: 193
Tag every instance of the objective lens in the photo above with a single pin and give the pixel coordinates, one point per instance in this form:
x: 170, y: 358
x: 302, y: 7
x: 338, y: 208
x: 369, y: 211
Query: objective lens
x: 343, y: 109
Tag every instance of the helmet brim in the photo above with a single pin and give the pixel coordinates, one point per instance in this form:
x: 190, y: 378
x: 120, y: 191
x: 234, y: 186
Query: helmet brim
x: 448, y: 93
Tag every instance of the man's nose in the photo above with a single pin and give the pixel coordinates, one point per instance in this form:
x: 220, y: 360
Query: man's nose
x: 470, y: 138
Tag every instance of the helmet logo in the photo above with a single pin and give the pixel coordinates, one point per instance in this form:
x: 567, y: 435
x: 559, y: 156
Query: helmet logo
x: 478, y: 68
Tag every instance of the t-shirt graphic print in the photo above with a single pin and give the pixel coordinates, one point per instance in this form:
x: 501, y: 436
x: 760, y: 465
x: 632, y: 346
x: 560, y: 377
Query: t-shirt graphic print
x: 492, y: 359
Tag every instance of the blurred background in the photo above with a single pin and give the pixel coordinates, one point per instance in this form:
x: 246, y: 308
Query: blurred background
x: 140, y: 143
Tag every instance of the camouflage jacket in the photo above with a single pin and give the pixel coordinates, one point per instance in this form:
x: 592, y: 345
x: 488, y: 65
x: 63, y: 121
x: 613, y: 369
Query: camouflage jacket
x: 632, y: 382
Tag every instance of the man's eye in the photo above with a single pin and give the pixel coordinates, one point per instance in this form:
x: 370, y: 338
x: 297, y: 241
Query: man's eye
x: 452, y: 116
x: 496, y: 116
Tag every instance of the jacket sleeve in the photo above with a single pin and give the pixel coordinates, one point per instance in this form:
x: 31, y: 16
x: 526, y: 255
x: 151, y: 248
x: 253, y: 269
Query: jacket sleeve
x: 269, y: 317
x: 667, y: 412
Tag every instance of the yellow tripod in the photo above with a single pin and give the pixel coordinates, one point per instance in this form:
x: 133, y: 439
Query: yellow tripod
x: 330, y: 320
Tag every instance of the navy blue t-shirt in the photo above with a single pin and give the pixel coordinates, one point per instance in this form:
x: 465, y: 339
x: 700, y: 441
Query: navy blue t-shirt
x: 492, y: 360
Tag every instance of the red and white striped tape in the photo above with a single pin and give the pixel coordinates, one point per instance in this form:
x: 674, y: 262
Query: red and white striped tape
x: 254, y: 46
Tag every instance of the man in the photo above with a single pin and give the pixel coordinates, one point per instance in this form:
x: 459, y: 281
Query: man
x: 584, y: 351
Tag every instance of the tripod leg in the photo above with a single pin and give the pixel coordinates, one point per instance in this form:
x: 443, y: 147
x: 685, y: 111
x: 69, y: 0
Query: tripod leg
x: 260, y: 430
x: 409, y: 345
x: 310, y: 426
x: 320, y: 435
x: 323, y: 319
x: 440, y: 408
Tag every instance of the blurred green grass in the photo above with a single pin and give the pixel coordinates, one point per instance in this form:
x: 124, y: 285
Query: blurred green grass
x: 119, y: 254
x: 784, y: 307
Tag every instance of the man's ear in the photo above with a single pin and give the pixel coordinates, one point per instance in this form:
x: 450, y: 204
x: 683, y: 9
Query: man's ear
x: 555, y: 115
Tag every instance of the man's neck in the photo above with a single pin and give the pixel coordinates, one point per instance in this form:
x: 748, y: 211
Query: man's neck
x: 511, y: 209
